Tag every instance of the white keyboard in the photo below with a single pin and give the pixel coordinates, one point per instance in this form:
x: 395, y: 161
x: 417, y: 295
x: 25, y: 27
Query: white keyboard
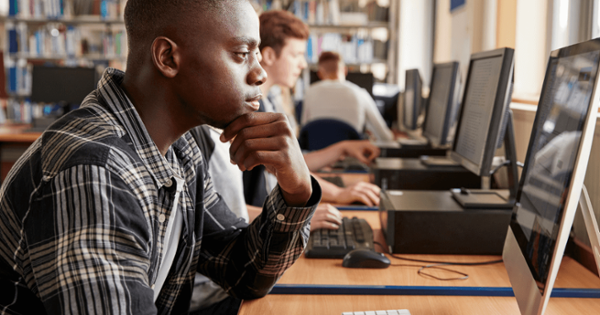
x: 390, y: 312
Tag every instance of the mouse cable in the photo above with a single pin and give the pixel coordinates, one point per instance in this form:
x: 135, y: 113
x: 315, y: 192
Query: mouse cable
x: 422, y: 273
x: 447, y: 263
x: 507, y: 162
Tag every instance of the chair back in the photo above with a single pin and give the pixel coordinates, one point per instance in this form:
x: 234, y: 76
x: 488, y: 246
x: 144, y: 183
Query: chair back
x: 321, y: 133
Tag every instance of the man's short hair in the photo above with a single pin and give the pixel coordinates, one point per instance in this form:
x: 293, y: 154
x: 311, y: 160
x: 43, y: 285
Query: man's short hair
x: 146, y: 19
x: 277, y: 26
x: 330, y: 61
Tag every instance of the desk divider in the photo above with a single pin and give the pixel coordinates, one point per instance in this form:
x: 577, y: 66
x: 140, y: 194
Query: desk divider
x: 324, y: 289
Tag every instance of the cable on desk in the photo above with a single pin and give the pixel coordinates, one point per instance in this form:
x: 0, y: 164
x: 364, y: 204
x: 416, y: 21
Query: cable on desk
x: 438, y: 264
x: 519, y: 164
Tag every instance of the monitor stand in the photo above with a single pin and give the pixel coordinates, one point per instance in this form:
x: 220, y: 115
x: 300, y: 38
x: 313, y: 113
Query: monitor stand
x: 591, y: 225
x: 491, y: 199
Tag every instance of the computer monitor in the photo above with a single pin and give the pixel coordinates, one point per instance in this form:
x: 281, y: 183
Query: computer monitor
x: 486, y: 99
x: 553, y: 174
x: 442, y: 104
x: 364, y: 80
x: 65, y: 85
x: 386, y: 98
x: 411, y: 100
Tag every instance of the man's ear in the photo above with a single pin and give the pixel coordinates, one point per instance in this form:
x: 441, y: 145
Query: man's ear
x: 268, y: 56
x: 166, y: 56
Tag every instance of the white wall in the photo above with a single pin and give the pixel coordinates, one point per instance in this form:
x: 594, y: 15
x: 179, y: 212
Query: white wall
x: 531, y: 48
x: 415, y: 49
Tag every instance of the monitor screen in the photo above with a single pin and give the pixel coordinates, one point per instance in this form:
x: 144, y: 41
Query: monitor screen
x: 364, y: 80
x: 62, y: 84
x: 551, y: 157
x: 484, y: 106
x: 413, y: 94
x: 478, y: 108
x: 441, y: 103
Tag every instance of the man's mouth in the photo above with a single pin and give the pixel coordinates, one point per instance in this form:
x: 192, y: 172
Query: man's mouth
x: 253, y: 101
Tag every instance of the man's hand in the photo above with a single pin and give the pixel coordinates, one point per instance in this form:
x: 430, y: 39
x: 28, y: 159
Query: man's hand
x: 362, y: 192
x: 267, y: 139
x: 326, y: 217
x: 362, y: 150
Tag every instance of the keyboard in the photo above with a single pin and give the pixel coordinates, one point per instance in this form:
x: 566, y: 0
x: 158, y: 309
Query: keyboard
x: 390, y: 312
x: 351, y: 164
x: 353, y: 233
x: 336, y: 180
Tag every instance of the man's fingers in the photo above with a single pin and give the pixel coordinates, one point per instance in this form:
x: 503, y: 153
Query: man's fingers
x: 249, y: 147
x: 317, y: 225
x: 247, y: 120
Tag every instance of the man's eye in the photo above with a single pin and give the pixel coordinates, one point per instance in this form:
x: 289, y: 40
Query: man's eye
x: 242, y: 55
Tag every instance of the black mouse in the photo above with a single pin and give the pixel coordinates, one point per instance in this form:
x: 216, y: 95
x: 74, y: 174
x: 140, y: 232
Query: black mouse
x: 365, y: 258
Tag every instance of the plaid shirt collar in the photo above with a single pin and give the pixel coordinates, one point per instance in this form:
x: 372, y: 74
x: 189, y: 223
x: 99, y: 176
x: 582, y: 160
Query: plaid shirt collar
x: 113, y: 95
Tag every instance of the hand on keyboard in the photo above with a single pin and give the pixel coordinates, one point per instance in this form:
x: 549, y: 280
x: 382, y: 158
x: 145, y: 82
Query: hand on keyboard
x: 326, y: 217
x: 353, y: 233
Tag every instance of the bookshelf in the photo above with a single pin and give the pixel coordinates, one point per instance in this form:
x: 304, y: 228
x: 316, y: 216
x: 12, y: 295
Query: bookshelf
x: 83, y: 33
x: 364, y: 32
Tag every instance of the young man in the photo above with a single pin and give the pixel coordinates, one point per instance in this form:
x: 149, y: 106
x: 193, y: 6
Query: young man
x: 283, y: 46
x: 112, y: 210
x: 333, y: 96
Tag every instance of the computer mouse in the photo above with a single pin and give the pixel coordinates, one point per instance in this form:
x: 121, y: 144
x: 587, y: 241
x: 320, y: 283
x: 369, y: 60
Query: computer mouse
x: 365, y: 258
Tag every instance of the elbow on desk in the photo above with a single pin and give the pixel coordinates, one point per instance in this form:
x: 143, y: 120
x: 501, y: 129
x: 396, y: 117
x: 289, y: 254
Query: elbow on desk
x: 258, y: 289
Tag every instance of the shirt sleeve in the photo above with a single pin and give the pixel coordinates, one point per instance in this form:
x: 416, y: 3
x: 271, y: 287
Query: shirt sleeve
x: 374, y: 120
x: 87, y: 241
x: 247, y: 262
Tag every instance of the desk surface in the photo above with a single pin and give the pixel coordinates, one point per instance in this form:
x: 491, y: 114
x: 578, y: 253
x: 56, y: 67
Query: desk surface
x: 17, y: 134
x: 329, y: 271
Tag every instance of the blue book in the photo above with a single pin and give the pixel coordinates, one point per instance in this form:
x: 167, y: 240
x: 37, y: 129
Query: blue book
x: 13, y: 42
x: 13, y: 7
x: 12, y: 78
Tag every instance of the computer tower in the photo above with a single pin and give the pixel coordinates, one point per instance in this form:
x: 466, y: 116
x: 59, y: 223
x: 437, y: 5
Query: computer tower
x: 431, y: 222
x: 411, y: 174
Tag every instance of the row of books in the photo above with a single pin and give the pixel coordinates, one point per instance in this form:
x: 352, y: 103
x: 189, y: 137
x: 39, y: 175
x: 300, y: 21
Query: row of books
x: 19, y: 77
x: 52, y: 40
x: 352, y: 48
x: 21, y: 111
x: 58, y: 9
x: 329, y: 12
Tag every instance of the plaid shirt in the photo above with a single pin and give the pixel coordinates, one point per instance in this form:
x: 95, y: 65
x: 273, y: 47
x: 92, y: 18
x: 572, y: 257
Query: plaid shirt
x: 84, y: 212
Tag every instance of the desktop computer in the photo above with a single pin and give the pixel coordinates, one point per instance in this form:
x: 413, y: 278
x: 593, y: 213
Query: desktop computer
x: 412, y: 101
x: 408, y: 217
x: 440, y: 117
x: 552, y: 178
x: 66, y: 86
x: 488, y: 93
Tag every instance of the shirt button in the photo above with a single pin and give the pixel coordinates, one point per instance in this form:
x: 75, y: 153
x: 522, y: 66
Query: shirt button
x: 161, y: 218
x: 152, y: 287
x: 280, y: 217
x: 169, y: 183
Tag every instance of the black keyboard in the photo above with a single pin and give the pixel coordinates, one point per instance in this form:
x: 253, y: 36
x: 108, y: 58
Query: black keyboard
x: 353, y: 233
x: 336, y: 180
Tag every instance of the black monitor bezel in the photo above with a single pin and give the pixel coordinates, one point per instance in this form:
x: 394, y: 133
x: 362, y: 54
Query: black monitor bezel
x: 412, y: 78
x: 501, y: 105
x: 442, y: 139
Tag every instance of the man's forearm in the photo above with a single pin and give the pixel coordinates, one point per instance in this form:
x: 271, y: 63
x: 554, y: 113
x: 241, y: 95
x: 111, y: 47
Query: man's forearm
x: 318, y: 159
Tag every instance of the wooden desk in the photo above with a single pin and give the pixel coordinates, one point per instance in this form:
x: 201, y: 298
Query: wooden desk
x: 330, y: 272
x: 14, y: 140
